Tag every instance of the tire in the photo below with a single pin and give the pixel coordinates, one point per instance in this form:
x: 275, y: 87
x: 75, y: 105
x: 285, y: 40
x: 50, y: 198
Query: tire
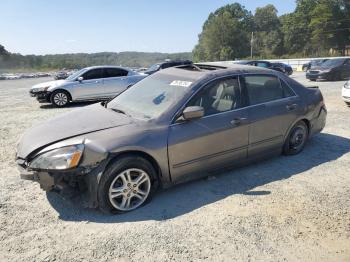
x: 60, y: 98
x: 296, y: 139
x: 119, y: 190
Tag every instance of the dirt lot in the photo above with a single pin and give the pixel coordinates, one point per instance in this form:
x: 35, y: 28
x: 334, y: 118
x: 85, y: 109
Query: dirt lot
x: 286, y: 208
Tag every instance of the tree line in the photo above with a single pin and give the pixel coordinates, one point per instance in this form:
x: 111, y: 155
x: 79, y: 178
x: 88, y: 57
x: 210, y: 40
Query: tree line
x: 316, y: 28
x: 75, y: 61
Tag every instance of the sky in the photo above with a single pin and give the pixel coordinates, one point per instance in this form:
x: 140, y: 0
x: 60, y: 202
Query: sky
x: 88, y: 26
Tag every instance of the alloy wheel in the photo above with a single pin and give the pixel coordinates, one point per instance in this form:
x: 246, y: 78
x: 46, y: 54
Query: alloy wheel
x: 129, y: 189
x: 60, y: 99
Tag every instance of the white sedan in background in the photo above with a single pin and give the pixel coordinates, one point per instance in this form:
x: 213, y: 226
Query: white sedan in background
x: 91, y: 83
x: 346, y: 93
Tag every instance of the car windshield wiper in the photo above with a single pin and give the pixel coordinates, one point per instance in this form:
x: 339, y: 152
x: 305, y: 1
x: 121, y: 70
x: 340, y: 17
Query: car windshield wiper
x: 118, y: 111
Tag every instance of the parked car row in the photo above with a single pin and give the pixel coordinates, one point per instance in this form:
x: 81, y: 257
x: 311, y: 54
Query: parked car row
x: 23, y: 75
x: 173, y: 126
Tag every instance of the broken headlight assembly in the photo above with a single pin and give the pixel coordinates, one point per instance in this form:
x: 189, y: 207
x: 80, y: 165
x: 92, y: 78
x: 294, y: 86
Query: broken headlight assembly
x: 63, y: 158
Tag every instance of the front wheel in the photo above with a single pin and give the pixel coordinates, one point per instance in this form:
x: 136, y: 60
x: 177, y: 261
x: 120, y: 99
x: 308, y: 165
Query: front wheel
x: 60, y: 98
x: 126, y: 185
x: 296, y: 139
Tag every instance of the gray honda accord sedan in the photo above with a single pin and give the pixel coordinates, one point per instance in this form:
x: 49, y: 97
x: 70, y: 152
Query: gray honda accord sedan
x: 176, y: 125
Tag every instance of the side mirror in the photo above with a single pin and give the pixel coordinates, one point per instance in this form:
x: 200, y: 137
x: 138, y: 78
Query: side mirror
x: 193, y: 112
x: 80, y: 79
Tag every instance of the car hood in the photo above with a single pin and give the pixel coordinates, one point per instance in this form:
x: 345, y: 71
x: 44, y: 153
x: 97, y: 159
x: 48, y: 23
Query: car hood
x: 50, y: 84
x: 78, y: 122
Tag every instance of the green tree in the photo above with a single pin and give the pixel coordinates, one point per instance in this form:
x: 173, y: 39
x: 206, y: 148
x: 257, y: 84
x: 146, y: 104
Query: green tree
x: 330, y: 23
x: 268, y: 36
x: 225, y: 34
x: 295, y: 28
x: 3, y: 51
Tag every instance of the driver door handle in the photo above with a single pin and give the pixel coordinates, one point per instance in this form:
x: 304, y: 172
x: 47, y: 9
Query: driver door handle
x: 237, y: 121
x: 291, y: 107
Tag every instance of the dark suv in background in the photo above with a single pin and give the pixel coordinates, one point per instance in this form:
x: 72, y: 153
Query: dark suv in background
x: 313, y: 63
x: 159, y: 66
x: 333, y: 70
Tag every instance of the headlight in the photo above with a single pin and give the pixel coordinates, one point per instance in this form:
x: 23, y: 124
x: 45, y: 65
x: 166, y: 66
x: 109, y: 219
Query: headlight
x: 40, y: 89
x: 58, y: 159
x: 347, y: 85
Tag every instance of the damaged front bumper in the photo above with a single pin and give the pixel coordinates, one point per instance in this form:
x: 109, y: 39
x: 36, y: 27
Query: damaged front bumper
x: 78, y: 180
x: 42, y: 96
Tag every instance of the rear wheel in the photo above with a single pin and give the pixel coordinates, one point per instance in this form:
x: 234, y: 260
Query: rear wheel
x: 126, y: 185
x: 60, y: 98
x: 296, y: 139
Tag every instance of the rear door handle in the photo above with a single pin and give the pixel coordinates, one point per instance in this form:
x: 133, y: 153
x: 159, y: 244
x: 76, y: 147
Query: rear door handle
x: 238, y: 121
x: 291, y: 107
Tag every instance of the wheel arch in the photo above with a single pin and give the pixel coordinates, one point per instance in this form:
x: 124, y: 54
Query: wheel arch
x: 305, y: 120
x: 138, y: 153
x: 308, y: 124
x: 62, y: 90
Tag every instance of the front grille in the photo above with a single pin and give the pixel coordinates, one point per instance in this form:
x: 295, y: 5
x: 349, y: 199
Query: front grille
x: 314, y: 72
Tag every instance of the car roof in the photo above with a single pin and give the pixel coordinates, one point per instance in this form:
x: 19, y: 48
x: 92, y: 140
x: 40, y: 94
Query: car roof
x: 201, y: 70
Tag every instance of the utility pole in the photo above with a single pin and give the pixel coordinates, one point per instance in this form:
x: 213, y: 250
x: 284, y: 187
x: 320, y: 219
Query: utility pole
x: 251, y: 45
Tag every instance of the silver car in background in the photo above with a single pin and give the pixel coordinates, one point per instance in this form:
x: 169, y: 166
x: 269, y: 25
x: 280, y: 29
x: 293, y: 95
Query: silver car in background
x: 91, y: 83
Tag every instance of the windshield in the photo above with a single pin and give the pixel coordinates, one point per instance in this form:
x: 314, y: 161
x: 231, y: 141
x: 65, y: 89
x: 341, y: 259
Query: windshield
x: 150, y: 97
x: 316, y: 62
x: 76, y: 74
x: 333, y: 62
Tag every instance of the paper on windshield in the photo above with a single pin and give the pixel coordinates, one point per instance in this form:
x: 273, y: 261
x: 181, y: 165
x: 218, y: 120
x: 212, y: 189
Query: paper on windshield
x: 181, y: 83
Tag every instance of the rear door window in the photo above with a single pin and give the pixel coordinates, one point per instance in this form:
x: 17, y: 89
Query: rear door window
x: 287, y: 91
x: 114, y: 72
x: 93, y: 74
x: 263, y: 88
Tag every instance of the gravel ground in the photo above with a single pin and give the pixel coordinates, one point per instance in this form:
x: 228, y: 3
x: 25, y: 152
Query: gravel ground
x: 287, y: 208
